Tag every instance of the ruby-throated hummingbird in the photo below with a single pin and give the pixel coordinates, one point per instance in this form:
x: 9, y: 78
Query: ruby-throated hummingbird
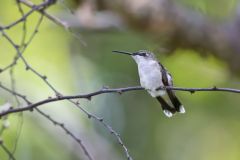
x: 154, y: 75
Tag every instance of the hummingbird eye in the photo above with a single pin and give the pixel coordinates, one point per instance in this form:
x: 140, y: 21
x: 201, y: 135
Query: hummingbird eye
x: 140, y: 54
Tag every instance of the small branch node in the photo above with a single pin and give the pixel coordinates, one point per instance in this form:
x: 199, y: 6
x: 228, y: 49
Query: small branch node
x: 120, y: 92
x: 44, y: 77
x: 89, y: 98
x: 89, y: 116
x: 16, y: 46
x: 214, y: 88
x: 27, y: 67
x: 58, y: 95
x: 104, y: 88
x: 77, y: 102
x: 192, y: 91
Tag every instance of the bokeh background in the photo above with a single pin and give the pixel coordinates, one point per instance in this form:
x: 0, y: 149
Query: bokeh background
x: 80, y: 61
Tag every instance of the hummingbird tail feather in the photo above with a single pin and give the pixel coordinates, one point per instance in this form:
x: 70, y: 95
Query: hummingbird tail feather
x: 167, y: 109
x: 182, y: 109
x: 177, y: 104
x: 167, y: 81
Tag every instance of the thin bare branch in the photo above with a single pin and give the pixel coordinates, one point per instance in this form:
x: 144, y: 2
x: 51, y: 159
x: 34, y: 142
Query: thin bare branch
x: 68, y: 132
x: 48, y: 117
x: 115, y: 90
x: 20, y: 48
x: 34, y: 8
x: 49, y: 16
x: 7, y: 151
x: 192, y: 90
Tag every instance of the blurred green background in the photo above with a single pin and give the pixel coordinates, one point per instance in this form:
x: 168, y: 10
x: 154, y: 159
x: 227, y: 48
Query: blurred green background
x: 208, y: 131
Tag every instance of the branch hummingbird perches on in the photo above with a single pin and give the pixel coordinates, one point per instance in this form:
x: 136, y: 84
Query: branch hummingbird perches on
x: 105, y: 90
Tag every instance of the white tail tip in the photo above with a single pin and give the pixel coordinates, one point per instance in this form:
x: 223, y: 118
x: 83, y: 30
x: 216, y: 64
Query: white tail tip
x: 182, y: 109
x: 168, y: 113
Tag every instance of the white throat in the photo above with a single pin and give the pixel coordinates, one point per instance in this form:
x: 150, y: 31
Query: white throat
x: 150, y: 74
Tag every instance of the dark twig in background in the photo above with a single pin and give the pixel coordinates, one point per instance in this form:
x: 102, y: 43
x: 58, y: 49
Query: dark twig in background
x: 6, y: 150
x: 20, y: 49
x: 68, y: 132
x: 56, y: 123
x: 43, y: 12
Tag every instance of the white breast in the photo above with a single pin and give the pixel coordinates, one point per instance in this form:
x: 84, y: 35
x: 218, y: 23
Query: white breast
x: 150, y: 77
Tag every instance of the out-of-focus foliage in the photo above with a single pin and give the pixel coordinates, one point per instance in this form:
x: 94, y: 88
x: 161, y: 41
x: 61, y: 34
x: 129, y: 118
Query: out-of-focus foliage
x: 209, y: 130
x: 222, y: 10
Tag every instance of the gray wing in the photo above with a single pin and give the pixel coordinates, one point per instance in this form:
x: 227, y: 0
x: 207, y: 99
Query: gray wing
x: 167, y: 81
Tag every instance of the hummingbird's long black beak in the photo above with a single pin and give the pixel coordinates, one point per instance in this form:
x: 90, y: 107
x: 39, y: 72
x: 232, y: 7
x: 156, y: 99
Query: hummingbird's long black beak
x: 123, y: 52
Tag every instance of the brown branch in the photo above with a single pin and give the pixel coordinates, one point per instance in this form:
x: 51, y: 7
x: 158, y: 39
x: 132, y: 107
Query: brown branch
x: 23, y: 17
x: 49, y: 16
x: 192, y: 90
x: 7, y: 151
x: 55, y: 19
x: 58, y: 94
x: 68, y: 132
x: 105, y: 90
x: 19, y: 56
x: 48, y: 117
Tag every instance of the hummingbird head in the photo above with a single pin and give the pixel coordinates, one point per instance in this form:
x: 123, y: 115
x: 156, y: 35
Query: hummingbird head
x: 139, y: 56
x: 143, y: 55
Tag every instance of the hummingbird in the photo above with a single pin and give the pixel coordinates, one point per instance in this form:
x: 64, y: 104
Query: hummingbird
x: 153, y: 75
